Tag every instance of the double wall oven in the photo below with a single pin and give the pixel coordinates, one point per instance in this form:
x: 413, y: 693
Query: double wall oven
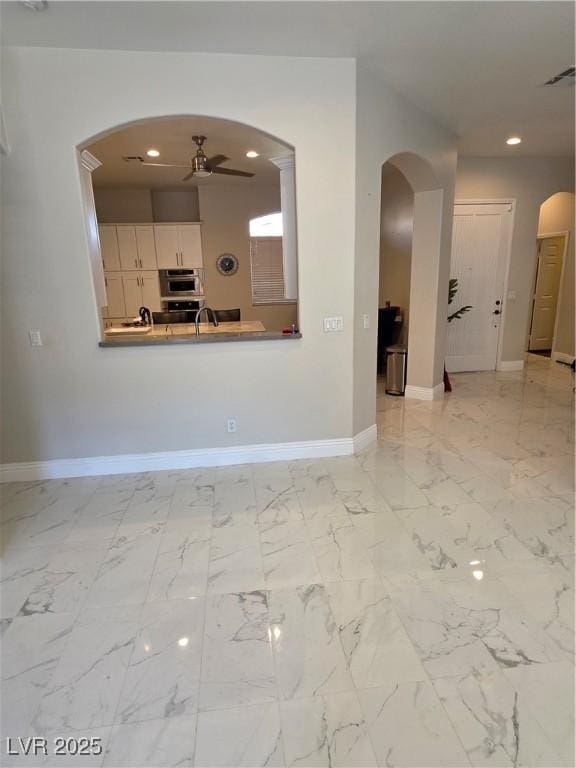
x: 181, y: 284
x: 182, y: 294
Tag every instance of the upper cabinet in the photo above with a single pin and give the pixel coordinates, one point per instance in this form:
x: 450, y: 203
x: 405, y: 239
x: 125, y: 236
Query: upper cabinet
x: 136, y: 246
x: 109, y: 247
x: 178, y: 246
x: 191, y: 245
x: 127, y: 247
x: 167, y: 245
x: 132, y: 247
x: 146, y: 247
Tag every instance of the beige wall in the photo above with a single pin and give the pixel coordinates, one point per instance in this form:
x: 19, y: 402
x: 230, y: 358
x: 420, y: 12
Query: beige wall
x: 529, y: 181
x: 225, y: 212
x: 132, y: 205
x: 557, y: 215
x: 117, y: 204
x: 396, y: 227
x: 71, y: 398
x: 176, y: 203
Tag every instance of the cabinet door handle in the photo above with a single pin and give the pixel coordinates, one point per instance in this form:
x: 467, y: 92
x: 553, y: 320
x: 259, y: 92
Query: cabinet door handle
x: 103, y: 264
x: 106, y: 282
x: 136, y: 263
x: 140, y: 260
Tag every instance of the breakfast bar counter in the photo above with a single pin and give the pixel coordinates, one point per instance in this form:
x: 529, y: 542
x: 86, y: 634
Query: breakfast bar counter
x: 185, y: 333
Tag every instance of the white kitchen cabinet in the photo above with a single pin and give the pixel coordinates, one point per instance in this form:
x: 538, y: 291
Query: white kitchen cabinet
x: 127, y: 247
x: 190, y: 246
x: 167, y: 246
x: 127, y: 291
x: 116, y: 306
x: 109, y: 246
x: 146, y: 247
x: 132, y: 292
x: 150, y: 291
x: 141, y: 289
x: 178, y: 246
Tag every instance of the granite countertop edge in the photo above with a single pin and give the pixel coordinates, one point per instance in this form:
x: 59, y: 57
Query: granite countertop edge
x: 208, y: 338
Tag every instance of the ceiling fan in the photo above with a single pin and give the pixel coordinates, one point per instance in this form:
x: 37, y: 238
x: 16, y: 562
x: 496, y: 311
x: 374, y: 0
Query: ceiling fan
x: 201, y: 165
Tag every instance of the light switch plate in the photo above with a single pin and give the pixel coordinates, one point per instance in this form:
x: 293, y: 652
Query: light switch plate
x: 366, y: 322
x: 333, y: 324
x: 35, y: 338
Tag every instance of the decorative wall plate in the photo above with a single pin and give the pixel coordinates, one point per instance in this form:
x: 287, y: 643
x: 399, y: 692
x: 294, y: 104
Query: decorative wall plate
x: 227, y: 264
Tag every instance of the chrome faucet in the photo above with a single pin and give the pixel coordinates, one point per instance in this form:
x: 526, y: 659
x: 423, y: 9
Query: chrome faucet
x: 197, y: 319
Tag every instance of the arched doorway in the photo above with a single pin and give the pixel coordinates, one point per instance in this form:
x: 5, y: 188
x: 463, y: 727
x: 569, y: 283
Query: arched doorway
x: 412, y: 221
x: 551, y: 321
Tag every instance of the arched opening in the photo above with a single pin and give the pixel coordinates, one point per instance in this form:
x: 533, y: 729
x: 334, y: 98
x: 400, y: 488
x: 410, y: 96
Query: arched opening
x: 412, y: 285
x: 551, y: 321
x: 168, y: 205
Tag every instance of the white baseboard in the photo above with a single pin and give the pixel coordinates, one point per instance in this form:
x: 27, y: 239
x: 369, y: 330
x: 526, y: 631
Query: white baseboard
x: 562, y: 357
x: 209, y: 457
x: 365, y: 438
x: 425, y: 393
x: 511, y: 365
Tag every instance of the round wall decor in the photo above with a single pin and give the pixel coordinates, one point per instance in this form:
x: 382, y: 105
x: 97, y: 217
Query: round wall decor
x: 227, y: 264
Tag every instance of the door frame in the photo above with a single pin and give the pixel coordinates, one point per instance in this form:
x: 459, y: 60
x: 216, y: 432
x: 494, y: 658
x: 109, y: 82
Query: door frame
x: 511, y: 201
x: 566, y: 235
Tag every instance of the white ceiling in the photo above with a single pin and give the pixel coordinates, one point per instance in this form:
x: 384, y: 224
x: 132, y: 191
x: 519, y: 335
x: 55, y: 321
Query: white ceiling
x: 172, y: 137
x: 478, y: 67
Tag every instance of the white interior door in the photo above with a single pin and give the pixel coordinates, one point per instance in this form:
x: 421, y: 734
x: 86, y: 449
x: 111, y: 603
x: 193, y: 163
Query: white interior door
x: 550, y: 255
x: 480, y: 246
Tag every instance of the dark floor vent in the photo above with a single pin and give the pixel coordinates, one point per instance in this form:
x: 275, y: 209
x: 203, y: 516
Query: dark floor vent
x: 563, y: 78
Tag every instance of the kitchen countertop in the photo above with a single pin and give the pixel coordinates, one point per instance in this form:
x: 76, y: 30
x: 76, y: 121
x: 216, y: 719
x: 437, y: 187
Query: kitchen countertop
x: 184, y: 333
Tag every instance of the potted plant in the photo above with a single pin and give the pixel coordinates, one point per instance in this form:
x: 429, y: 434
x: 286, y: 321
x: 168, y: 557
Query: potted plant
x: 452, y: 291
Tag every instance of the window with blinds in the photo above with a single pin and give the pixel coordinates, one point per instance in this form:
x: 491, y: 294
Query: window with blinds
x: 267, y: 270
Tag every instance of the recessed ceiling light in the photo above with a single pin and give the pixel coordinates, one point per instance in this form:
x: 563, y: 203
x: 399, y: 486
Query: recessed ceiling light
x: 514, y: 140
x: 251, y: 153
x: 153, y: 153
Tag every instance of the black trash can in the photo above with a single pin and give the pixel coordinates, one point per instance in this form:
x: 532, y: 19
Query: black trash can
x: 395, y: 370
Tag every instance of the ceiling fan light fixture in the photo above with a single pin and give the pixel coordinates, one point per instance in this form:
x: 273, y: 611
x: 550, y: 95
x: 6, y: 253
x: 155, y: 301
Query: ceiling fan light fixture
x: 200, y: 166
x: 153, y: 153
x: 513, y: 140
x: 252, y: 153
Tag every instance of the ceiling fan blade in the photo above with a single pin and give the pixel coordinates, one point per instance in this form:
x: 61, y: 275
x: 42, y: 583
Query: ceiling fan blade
x: 217, y: 160
x: 188, y: 176
x: 166, y: 165
x: 232, y: 172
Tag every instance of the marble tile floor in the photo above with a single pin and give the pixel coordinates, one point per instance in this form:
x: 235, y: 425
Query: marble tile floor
x: 409, y: 606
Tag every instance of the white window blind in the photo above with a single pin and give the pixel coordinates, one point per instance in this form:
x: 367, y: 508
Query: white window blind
x: 267, y: 270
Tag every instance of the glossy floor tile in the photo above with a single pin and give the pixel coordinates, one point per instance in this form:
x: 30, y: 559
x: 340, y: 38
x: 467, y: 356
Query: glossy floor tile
x: 411, y: 606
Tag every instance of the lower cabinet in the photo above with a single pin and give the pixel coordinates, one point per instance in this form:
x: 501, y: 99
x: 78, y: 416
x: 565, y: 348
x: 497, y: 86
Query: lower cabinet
x: 126, y: 292
x: 116, y: 306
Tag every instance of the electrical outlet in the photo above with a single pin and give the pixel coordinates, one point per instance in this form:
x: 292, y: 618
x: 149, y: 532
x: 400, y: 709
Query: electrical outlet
x: 231, y: 425
x: 332, y: 324
x: 35, y: 338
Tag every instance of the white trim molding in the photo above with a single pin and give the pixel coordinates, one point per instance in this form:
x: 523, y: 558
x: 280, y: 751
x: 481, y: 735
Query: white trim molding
x: 365, y: 438
x: 562, y: 357
x: 510, y: 365
x: 88, y: 161
x: 425, y: 393
x: 209, y: 457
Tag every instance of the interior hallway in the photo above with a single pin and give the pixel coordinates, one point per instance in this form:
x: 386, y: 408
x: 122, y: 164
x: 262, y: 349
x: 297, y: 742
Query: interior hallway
x: 411, y: 606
